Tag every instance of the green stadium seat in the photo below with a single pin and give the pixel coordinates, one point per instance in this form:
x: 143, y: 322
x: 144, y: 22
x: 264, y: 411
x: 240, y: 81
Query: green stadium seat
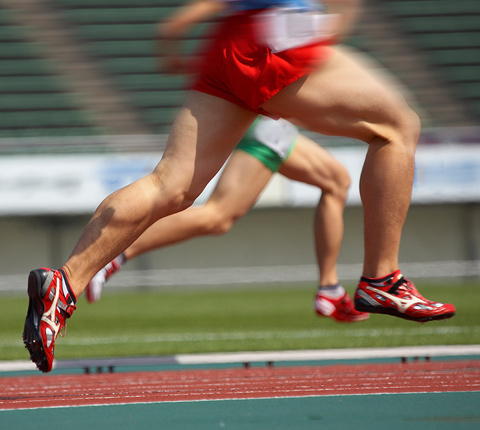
x: 33, y: 100
x: 9, y: 32
x: 434, y: 7
x: 127, y: 48
x: 154, y: 99
x: 476, y: 106
x: 47, y: 132
x: 449, y: 40
x: 448, y: 33
x: 468, y: 73
x: 111, y: 15
x: 25, y: 84
x: 24, y: 67
x: 46, y: 118
x: 11, y: 50
x: 455, y: 56
x: 470, y: 90
x: 440, y: 24
x: 153, y: 81
x: 118, y: 3
x: 117, y: 31
x: 56, y: 101
x: 120, y: 35
x: 125, y: 66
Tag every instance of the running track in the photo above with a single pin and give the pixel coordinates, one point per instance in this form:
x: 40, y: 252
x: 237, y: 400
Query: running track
x: 237, y: 383
x: 441, y: 394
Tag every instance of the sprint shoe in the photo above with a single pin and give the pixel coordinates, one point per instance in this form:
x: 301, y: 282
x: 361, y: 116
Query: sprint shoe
x: 334, y: 302
x: 95, y: 286
x: 51, y: 302
x: 397, y: 296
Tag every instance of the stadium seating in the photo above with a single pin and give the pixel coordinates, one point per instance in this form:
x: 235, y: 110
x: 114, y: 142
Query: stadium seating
x: 120, y: 36
x: 33, y: 101
x: 448, y: 32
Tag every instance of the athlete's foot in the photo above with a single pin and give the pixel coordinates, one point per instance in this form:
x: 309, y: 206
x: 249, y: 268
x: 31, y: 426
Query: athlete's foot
x: 336, y: 304
x: 394, y: 295
x: 51, y: 302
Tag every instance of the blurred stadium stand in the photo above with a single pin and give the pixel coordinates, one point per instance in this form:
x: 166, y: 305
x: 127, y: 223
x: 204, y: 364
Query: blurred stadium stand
x: 447, y: 34
x: 33, y: 100
x: 80, y: 75
x: 84, y: 67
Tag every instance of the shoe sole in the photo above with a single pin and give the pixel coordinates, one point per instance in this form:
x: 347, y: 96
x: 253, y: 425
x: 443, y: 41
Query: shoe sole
x: 394, y: 313
x: 340, y: 320
x: 31, y: 333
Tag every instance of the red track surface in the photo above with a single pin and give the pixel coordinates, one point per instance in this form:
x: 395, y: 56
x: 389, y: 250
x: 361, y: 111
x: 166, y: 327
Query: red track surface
x: 239, y: 383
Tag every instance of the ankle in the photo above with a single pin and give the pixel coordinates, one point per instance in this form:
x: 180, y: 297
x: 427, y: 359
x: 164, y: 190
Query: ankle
x: 389, y: 279
x: 68, y: 292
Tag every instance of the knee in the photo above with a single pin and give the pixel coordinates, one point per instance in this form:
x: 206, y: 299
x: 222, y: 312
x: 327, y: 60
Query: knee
x: 177, y: 200
x: 406, y: 129
x: 400, y: 130
x: 339, y: 185
x: 212, y: 220
x: 411, y: 127
x: 343, y: 183
x: 170, y: 196
x: 222, y: 224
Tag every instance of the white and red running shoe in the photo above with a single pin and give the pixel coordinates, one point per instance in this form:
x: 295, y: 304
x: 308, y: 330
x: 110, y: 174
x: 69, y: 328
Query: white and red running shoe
x: 337, y: 306
x: 394, y: 295
x: 95, y: 286
x: 51, y: 302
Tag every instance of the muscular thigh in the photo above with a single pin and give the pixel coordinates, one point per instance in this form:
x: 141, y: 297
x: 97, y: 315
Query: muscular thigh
x: 202, y: 137
x: 240, y: 184
x: 342, y: 98
x: 312, y: 164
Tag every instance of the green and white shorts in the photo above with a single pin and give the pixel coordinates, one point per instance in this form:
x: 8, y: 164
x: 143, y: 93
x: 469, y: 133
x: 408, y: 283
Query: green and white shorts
x: 269, y: 141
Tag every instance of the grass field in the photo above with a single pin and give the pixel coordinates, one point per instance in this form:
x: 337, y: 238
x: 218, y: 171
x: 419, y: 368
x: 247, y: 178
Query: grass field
x: 143, y: 323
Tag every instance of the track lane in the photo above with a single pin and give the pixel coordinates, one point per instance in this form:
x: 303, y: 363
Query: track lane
x: 41, y: 391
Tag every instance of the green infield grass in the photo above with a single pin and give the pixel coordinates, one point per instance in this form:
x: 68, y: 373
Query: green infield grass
x: 145, y: 323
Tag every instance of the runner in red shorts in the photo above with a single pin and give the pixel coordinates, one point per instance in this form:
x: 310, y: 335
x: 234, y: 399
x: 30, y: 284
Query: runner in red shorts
x: 333, y: 95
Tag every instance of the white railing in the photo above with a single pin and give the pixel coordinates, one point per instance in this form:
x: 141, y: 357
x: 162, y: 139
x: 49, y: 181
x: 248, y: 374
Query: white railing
x: 443, y: 271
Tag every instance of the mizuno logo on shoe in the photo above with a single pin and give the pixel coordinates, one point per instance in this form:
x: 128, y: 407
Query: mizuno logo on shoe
x: 49, y: 316
x: 402, y: 304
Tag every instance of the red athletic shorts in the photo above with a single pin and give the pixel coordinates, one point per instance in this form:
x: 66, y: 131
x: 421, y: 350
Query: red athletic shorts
x: 237, y: 68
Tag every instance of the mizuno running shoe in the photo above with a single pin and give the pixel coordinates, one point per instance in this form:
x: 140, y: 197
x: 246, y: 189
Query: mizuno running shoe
x: 51, y: 302
x: 394, y: 295
x: 337, y: 306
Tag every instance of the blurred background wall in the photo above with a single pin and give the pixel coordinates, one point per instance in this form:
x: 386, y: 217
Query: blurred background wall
x: 84, y: 111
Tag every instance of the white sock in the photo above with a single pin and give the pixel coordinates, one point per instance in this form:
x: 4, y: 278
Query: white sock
x: 332, y: 291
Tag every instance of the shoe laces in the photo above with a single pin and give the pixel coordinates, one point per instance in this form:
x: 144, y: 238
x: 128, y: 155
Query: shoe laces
x: 61, y: 307
x: 403, y: 284
x: 63, y: 330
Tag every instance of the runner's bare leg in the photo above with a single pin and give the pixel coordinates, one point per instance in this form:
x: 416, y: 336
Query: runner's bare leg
x: 343, y: 98
x: 203, y: 135
x: 311, y: 164
x: 238, y: 187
